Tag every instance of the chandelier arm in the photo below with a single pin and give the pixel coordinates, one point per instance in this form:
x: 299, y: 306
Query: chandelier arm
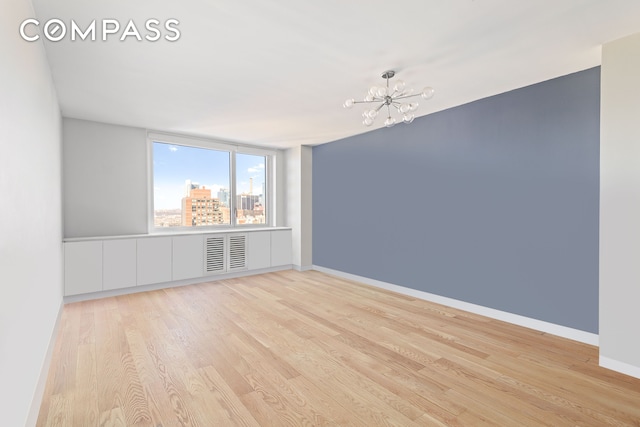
x: 367, y: 102
x: 407, y: 96
x: 403, y: 92
x: 379, y: 107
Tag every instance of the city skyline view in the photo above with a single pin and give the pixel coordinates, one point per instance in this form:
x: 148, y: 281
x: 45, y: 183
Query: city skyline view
x: 174, y: 165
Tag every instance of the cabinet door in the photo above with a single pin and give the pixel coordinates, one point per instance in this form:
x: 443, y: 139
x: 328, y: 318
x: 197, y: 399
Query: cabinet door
x: 188, y: 257
x: 237, y: 252
x: 154, y: 260
x: 259, y: 250
x: 281, y: 243
x: 215, y: 248
x: 82, y: 267
x: 119, y: 264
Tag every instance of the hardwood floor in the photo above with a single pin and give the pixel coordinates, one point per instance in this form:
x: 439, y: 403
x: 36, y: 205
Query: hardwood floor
x: 296, y: 349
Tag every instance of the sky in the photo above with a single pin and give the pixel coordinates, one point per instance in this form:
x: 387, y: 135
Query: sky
x: 174, y: 164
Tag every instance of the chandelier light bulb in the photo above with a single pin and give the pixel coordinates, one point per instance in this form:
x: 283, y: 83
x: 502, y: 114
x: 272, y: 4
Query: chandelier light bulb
x: 395, y: 96
x: 390, y: 121
x: 349, y: 103
x: 427, y: 92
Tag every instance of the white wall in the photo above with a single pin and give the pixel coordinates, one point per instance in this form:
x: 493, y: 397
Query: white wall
x: 298, y: 196
x: 281, y: 189
x: 620, y: 206
x: 30, y: 217
x: 104, y: 179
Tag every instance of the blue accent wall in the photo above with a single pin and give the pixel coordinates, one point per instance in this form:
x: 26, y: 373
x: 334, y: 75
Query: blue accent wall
x: 494, y: 202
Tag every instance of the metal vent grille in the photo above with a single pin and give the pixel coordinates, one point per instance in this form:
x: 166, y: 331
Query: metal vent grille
x: 214, y: 251
x: 237, y: 252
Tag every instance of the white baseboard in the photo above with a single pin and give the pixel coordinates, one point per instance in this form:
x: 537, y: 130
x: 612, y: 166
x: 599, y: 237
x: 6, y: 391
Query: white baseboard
x: 516, y: 319
x: 38, y: 394
x: 303, y: 267
x: 615, y: 365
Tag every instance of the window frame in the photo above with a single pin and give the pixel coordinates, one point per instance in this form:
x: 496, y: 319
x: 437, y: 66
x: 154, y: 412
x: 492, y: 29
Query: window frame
x: 270, y: 156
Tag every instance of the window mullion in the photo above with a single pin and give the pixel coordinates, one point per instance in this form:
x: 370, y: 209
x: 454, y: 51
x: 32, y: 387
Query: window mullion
x: 232, y: 189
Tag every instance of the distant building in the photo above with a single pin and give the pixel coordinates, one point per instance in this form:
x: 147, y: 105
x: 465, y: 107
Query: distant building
x: 223, y: 196
x: 188, y: 186
x: 198, y: 208
x: 247, y: 201
x: 249, y: 209
x: 226, y: 214
x: 263, y: 193
x: 167, y: 218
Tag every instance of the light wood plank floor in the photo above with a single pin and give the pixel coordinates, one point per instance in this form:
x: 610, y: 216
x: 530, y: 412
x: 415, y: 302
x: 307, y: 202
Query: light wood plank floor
x: 308, y: 349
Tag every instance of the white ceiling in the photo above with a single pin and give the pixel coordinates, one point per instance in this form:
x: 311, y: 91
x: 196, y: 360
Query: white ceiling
x: 276, y: 72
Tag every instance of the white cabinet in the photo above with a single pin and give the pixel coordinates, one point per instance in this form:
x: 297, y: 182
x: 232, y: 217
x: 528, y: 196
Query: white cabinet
x: 82, y: 267
x: 119, y: 264
x: 281, y: 245
x: 154, y: 260
x: 188, y: 257
x: 258, y: 250
x: 127, y: 261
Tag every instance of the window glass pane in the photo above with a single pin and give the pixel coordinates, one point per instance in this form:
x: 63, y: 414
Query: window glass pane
x: 250, y: 189
x: 190, y: 186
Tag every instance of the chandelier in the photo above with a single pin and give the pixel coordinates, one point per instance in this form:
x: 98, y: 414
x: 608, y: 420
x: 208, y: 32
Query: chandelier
x: 390, y: 97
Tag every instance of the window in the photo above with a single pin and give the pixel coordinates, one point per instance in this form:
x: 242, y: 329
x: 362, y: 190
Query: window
x: 204, y: 184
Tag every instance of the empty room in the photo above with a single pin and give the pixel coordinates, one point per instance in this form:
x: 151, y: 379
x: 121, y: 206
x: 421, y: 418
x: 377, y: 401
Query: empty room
x: 280, y: 213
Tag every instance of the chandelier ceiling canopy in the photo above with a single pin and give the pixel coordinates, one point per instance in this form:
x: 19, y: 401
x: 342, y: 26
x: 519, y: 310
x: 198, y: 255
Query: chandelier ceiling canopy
x: 385, y: 96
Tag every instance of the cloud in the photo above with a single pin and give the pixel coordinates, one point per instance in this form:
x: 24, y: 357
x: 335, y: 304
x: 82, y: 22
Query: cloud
x: 257, y: 168
x: 173, y: 148
x: 214, y: 189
